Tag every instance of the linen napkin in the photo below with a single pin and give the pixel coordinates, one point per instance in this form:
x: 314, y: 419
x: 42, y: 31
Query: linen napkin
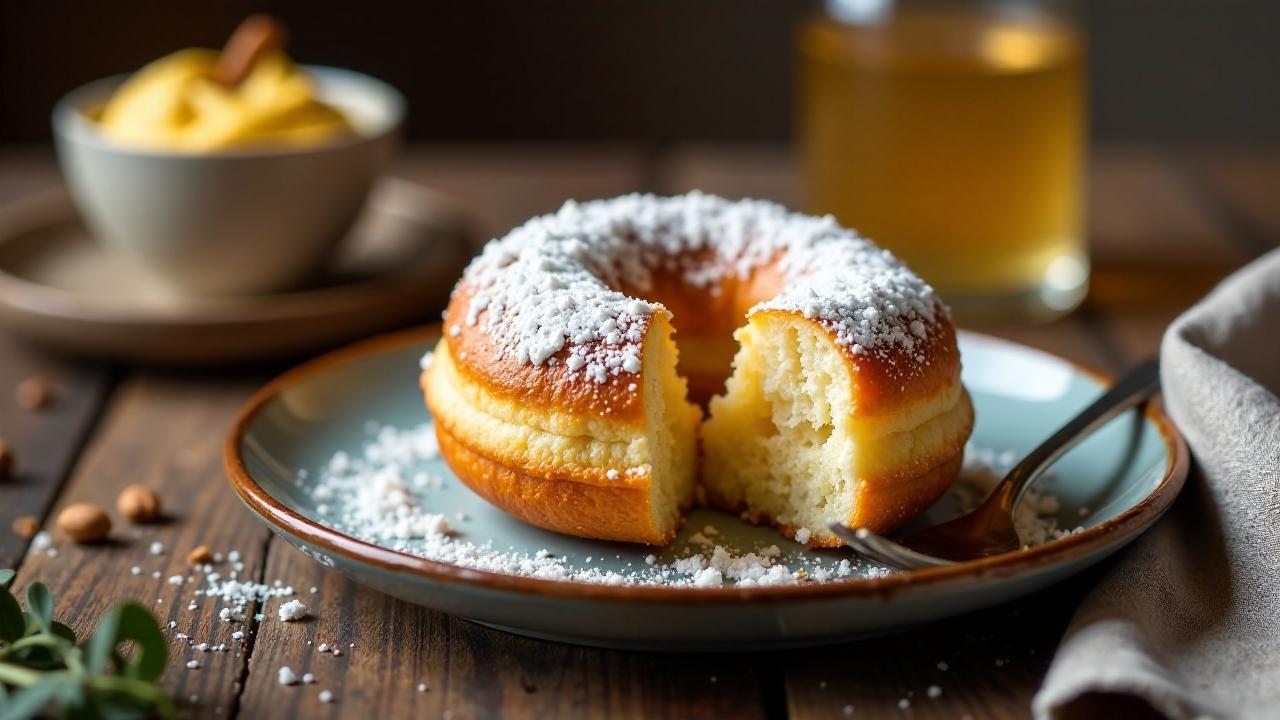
x: 1188, y: 620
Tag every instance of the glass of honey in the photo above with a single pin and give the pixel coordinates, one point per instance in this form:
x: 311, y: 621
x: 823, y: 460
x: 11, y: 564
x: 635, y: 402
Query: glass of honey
x: 953, y: 133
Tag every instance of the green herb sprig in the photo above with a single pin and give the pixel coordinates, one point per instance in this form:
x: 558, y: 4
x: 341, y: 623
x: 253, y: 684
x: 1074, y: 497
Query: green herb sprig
x: 44, y: 672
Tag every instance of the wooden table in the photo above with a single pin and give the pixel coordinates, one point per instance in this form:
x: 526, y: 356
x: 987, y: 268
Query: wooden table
x: 1166, y: 224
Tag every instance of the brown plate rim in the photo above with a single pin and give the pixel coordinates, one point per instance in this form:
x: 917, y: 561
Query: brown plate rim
x: 1132, y: 521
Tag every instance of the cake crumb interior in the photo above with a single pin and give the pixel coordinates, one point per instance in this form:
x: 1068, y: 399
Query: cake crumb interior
x: 672, y: 426
x: 778, y: 442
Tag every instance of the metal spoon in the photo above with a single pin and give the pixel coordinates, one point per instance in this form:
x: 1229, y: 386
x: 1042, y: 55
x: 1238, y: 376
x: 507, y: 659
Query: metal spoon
x: 989, y: 529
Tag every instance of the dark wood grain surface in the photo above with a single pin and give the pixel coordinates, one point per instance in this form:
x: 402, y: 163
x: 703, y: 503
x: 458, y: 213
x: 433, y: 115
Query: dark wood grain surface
x: 46, y: 441
x: 165, y: 433
x: 472, y: 671
x: 1166, y: 223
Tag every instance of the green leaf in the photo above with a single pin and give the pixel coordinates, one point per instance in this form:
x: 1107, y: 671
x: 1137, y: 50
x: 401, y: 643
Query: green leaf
x: 128, y: 621
x: 72, y: 694
x: 142, y: 692
x: 49, y: 674
x: 12, y: 625
x: 77, y: 703
x: 40, y: 659
x: 62, y: 631
x: 6, y: 576
x: 150, y: 651
x: 40, y: 605
x: 120, y: 705
x: 102, y: 644
x: 42, y: 651
x: 31, y: 701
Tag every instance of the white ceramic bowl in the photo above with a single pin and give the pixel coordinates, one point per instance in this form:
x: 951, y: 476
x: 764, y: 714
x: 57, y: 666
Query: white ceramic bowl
x: 230, y: 222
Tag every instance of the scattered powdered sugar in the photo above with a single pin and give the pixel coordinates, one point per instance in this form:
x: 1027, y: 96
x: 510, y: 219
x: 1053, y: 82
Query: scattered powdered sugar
x: 239, y: 594
x: 292, y: 610
x: 552, y: 284
x: 384, y: 495
x: 230, y: 598
x: 744, y: 570
x: 1036, y: 518
x: 382, y: 486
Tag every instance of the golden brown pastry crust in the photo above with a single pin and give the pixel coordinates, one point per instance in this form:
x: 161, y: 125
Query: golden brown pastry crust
x: 589, y: 506
x: 566, y: 505
x: 884, y: 380
x: 545, y: 385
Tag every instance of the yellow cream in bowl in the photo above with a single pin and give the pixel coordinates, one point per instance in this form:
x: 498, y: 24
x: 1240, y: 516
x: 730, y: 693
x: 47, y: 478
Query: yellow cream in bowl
x: 175, y: 104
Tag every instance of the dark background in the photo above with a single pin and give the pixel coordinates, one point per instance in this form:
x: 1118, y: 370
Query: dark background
x: 645, y: 70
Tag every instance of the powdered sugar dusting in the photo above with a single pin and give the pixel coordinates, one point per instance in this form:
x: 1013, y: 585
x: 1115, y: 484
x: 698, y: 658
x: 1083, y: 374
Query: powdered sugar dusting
x: 396, y: 492
x: 1036, y: 518
x: 387, y: 495
x: 549, y: 288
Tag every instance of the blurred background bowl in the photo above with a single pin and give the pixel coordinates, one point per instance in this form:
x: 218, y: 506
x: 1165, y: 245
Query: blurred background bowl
x: 232, y: 222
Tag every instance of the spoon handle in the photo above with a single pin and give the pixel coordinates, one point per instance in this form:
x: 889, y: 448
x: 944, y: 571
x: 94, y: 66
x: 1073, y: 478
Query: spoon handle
x: 1138, y: 385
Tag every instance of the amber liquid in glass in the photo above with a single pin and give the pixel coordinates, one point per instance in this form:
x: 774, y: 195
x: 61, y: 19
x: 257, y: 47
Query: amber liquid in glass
x: 957, y: 141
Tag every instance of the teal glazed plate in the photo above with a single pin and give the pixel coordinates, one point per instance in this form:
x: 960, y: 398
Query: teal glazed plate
x: 1109, y: 489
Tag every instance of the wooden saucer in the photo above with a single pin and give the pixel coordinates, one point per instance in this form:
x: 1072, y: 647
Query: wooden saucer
x: 60, y: 288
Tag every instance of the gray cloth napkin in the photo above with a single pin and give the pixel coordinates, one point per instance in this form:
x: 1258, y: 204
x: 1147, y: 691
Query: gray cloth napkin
x: 1188, y: 619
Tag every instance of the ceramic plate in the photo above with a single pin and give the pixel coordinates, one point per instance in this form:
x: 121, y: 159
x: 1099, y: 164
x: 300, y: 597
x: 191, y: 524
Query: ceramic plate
x: 1113, y: 486
x: 60, y: 288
